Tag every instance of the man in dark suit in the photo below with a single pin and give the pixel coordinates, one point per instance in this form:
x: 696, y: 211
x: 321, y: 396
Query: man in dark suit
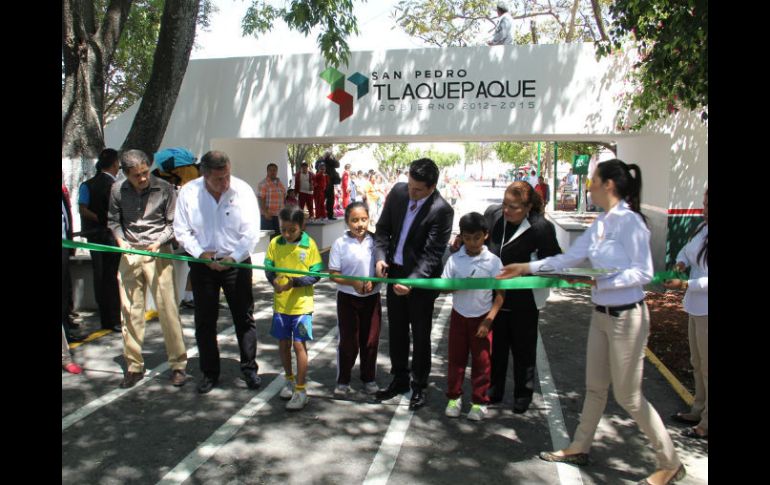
x: 412, y: 235
x: 94, y: 202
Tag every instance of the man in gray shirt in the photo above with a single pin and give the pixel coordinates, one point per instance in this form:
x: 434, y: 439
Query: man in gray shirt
x: 141, y: 216
x: 502, y: 34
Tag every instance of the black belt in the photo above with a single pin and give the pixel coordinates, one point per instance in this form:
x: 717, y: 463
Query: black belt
x: 614, y: 311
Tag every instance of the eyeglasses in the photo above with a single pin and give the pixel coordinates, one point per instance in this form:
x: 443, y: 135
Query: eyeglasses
x: 514, y: 207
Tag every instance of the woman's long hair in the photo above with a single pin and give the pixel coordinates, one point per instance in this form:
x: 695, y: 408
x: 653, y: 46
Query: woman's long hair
x: 628, y: 187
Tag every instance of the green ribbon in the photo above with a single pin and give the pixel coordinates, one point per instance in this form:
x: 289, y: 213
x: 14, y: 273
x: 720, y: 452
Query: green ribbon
x: 440, y: 284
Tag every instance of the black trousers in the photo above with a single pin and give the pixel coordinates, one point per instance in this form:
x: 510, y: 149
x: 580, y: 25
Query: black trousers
x: 106, y: 287
x: 413, y: 311
x: 66, y: 288
x: 329, y: 196
x: 515, y: 332
x: 236, y: 284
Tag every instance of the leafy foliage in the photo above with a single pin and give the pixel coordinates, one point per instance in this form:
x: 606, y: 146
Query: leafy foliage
x: 671, y: 40
x: 131, y: 66
x: 334, y: 17
x: 447, y: 23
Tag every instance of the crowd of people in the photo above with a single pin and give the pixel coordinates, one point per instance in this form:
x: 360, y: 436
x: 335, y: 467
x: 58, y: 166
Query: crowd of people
x: 214, y: 218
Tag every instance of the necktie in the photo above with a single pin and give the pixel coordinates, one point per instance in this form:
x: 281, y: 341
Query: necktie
x: 413, y: 206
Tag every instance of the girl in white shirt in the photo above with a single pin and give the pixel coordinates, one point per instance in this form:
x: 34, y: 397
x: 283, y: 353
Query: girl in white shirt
x: 359, y: 310
x: 695, y: 255
x: 620, y: 323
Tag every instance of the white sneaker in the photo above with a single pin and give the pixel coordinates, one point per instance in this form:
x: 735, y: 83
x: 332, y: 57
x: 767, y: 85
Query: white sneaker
x: 297, y: 402
x: 343, y: 390
x: 477, y: 412
x: 287, y: 390
x: 371, y: 388
x: 453, y: 407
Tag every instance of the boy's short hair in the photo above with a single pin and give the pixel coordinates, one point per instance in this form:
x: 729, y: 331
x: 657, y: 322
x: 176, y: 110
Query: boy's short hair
x: 292, y: 214
x: 473, y: 222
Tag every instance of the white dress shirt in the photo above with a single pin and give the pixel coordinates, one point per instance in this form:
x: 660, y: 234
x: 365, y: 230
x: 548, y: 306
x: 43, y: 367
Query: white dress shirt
x: 229, y: 227
x: 617, y: 239
x: 472, y: 303
x: 398, y: 257
x: 696, y: 299
x: 352, y: 257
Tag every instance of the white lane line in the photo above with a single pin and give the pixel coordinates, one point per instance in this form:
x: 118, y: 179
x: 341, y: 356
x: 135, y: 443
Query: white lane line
x: 221, y: 436
x: 385, y: 459
x: 100, y: 402
x: 568, y: 474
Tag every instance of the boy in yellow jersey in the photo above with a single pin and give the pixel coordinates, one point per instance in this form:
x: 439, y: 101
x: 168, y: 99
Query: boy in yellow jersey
x: 293, y: 302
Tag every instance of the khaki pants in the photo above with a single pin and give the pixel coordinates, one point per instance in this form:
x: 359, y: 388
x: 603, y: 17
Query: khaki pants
x: 698, y: 331
x: 615, y: 355
x: 136, y: 273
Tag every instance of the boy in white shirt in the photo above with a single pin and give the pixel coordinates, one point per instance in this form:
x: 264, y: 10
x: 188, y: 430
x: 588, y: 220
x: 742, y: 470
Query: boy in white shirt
x: 472, y: 314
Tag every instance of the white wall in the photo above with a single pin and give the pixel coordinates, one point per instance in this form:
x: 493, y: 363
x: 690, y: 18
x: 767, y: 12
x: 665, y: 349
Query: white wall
x: 249, y: 159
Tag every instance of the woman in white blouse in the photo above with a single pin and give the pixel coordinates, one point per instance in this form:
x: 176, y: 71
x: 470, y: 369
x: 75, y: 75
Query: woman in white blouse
x: 620, y: 323
x: 695, y: 255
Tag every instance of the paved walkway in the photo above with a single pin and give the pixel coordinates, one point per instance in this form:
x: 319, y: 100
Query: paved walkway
x: 156, y: 433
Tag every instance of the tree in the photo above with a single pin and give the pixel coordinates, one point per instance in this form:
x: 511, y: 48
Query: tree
x: 91, y: 32
x: 469, y: 22
x: 515, y: 153
x: 175, y: 42
x: 335, y: 17
x: 478, y: 152
x: 391, y: 156
x: 131, y: 67
x: 671, y: 42
x: 87, y: 52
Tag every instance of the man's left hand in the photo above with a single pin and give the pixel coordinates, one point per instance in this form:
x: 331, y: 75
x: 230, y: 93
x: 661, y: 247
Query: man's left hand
x: 401, y: 290
x: 218, y: 267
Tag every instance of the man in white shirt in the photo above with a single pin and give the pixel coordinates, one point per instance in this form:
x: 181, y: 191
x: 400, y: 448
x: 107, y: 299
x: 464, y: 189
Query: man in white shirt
x: 217, y: 219
x: 502, y: 34
x: 533, y: 180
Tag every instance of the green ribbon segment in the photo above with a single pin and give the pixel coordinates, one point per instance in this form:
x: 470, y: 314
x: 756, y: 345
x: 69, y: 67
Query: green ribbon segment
x: 440, y: 284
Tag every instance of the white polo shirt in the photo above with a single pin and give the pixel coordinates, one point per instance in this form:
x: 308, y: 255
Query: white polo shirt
x: 352, y: 257
x: 472, y: 303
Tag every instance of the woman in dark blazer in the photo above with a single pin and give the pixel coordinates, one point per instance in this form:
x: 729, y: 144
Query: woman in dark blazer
x: 518, y: 233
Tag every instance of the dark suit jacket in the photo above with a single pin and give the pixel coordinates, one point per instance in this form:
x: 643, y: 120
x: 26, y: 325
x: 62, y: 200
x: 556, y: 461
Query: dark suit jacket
x: 428, y: 236
x: 539, y: 238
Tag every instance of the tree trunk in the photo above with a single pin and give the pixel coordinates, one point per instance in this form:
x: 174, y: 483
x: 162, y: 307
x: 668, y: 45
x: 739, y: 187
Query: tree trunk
x: 175, y: 42
x: 572, y: 18
x: 599, y: 22
x: 87, y: 53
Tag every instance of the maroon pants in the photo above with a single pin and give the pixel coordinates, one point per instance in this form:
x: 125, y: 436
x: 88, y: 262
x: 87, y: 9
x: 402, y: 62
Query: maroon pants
x: 462, y: 338
x: 320, y: 208
x: 306, y: 200
x: 358, y: 319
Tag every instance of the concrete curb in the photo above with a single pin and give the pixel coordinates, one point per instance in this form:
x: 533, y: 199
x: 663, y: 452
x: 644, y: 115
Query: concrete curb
x: 678, y: 387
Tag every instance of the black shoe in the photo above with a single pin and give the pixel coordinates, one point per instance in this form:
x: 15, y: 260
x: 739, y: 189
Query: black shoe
x: 190, y: 304
x: 393, y: 389
x: 494, y: 396
x: 206, y: 384
x: 521, y: 404
x: 252, y: 379
x: 418, y: 399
